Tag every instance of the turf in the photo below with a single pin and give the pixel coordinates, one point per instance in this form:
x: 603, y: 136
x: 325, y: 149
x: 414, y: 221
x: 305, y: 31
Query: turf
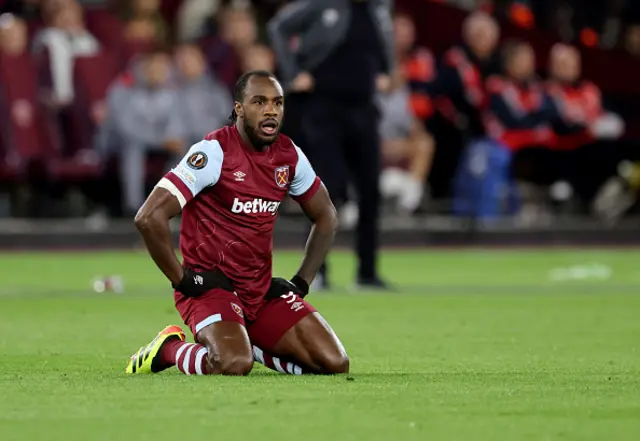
x: 477, y: 345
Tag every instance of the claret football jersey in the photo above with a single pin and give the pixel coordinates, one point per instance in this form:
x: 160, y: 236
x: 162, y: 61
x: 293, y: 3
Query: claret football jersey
x: 230, y: 196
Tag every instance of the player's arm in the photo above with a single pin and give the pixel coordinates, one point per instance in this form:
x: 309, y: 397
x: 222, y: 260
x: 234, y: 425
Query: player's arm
x: 200, y: 168
x: 152, y: 221
x: 321, y: 211
x: 307, y: 189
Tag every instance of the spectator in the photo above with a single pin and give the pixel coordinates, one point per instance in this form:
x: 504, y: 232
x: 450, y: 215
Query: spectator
x: 406, y: 111
x: 144, y: 29
x: 64, y: 40
x: 238, y: 28
x: 418, y: 67
x: 224, y: 52
x: 581, y: 116
x: 56, y: 48
x: 461, y: 95
x: 192, y: 18
x: 464, y: 71
x: 141, y: 30
x: 405, y: 144
x: 137, y: 12
x: 205, y: 102
x: 518, y: 116
x: 13, y: 46
x: 584, y: 161
x: 632, y: 40
x: 13, y: 35
x: 142, y: 118
x: 258, y: 57
x: 49, y: 8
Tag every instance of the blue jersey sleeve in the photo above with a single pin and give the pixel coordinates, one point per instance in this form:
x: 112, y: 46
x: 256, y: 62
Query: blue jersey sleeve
x: 199, y: 168
x: 305, y: 176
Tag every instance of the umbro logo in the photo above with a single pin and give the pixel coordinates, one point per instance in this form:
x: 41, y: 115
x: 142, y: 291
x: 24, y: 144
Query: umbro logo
x: 239, y: 176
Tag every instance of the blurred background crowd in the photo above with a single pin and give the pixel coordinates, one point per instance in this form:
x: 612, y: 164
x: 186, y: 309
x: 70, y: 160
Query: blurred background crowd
x: 496, y: 108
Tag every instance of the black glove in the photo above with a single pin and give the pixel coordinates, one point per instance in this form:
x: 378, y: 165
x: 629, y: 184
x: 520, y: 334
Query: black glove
x: 194, y: 284
x: 280, y: 287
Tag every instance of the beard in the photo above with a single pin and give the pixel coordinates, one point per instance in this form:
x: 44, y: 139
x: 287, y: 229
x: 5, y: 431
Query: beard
x: 259, y: 142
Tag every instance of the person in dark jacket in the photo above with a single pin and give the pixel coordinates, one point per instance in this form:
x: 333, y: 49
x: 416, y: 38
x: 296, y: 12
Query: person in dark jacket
x: 582, y: 118
x: 460, y: 95
x: 582, y: 126
x: 465, y: 68
x: 519, y: 112
x: 335, y: 55
x: 517, y: 115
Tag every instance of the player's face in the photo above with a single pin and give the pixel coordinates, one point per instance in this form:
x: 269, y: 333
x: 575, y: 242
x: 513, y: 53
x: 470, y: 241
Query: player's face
x: 262, y: 110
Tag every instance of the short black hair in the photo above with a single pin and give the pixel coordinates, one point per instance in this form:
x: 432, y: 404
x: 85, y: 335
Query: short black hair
x: 240, y: 88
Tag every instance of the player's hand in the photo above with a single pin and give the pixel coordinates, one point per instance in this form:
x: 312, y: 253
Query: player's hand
x: 280, y: 286
x: 194, y: 284
x: 303, y: 82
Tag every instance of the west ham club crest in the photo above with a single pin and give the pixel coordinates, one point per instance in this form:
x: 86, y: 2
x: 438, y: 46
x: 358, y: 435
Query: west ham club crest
x: 282, y: 176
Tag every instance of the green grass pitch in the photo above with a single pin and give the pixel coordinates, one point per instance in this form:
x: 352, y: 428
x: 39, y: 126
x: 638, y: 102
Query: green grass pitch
x: 477, y: 345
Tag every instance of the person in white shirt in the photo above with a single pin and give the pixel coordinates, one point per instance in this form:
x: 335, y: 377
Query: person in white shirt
x: 65, y: 39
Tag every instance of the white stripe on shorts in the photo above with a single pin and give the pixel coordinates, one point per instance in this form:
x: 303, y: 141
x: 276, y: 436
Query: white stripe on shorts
x: 208, y: 321
x: 201, y: 353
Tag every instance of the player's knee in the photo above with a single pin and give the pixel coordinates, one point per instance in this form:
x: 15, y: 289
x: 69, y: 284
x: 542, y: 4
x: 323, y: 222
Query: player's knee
x: 239, y: 365
x: 235, y: 364
x: 336, y: 364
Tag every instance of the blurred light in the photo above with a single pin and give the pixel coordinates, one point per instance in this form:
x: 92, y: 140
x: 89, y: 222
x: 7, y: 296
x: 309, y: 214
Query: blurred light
x: 589, y: 37
x: 522, y: 16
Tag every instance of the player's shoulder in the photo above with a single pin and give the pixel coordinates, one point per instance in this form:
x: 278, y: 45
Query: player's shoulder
x: 229, y: 142
x: 285, y: 142
x: 204, y: 155
x: 286, y: 148
x: 223, y: 137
